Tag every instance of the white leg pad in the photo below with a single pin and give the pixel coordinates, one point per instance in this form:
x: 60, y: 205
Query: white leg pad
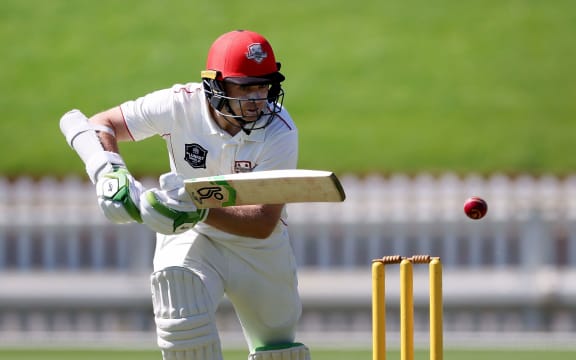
x: 294, y: 351
x: 185, y: 323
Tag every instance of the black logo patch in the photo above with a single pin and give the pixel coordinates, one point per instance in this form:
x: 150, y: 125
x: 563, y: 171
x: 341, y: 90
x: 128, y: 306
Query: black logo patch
x: 195, y: 155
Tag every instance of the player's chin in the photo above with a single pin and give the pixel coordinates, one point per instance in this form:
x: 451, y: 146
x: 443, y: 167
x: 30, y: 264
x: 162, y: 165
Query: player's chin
x: 251, y: 117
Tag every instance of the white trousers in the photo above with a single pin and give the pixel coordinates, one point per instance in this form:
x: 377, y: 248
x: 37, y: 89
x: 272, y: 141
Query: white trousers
x: 260, y: 282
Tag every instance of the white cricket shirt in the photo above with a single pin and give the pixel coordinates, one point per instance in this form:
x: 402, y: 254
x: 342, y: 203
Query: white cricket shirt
x: 198, y: 147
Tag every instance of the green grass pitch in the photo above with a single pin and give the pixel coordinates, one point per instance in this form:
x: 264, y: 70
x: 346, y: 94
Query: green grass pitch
x: 316, y: 355
x: 374, y: 86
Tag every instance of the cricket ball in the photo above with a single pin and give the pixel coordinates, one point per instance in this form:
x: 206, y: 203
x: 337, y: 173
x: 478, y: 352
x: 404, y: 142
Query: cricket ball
x: 475, y: 208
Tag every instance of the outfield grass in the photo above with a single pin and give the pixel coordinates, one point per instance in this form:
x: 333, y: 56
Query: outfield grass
x: 316, y: 355
x: 375, y: 86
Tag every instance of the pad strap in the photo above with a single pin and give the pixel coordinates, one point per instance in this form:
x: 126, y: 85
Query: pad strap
x: 104, y: 128
x: 288, y: 351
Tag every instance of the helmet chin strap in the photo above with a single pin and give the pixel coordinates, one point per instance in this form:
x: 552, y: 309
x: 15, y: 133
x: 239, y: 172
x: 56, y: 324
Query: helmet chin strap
x: 243, y: 123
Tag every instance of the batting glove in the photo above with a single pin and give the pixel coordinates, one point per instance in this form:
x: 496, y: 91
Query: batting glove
x: 119, y: 196
x: 170, y: 210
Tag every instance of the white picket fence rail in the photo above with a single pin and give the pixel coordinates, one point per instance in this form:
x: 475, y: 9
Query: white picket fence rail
x: 513, y: 271
x: 51, y: 224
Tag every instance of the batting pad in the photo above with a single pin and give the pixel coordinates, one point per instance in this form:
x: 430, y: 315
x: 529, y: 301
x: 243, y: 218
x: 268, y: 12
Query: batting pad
x: 185, y: 325
x: 292, y: 351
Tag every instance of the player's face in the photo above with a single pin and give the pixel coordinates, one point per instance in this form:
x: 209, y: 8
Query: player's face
x: 247, y: 100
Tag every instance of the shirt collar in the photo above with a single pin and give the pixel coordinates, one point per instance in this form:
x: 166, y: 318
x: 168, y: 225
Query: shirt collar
x: 256, y: 135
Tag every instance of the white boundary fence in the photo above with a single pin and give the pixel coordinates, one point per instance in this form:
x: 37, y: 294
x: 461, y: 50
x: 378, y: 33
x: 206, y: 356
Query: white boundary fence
x: 64, y: 269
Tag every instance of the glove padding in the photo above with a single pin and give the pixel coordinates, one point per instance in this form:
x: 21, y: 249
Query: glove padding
x: 119, y: 196
x: 170, y: 210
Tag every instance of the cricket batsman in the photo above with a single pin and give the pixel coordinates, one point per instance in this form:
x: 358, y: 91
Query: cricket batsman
x: 232, y: 121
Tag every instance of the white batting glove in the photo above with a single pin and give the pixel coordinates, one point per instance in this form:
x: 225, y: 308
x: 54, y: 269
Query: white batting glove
x: 119, y: 196
x: 170, y: 210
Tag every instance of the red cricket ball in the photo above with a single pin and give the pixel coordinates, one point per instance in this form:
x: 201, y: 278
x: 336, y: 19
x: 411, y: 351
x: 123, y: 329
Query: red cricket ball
x: 475, y: 207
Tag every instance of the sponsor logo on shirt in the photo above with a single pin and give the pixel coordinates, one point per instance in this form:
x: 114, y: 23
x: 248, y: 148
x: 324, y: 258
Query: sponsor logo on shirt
x: 243, y: 166
x: 195, y: 155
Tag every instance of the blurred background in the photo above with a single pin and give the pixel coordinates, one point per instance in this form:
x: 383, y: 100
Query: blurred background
x: 416, y: 105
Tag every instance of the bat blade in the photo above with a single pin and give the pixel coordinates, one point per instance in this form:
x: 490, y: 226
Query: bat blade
x: 265, y: 187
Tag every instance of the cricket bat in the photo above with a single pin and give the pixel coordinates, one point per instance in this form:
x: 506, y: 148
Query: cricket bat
x: 265, y: 187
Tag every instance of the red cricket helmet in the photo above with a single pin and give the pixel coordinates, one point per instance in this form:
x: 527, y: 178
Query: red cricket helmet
x: 243, y: 57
